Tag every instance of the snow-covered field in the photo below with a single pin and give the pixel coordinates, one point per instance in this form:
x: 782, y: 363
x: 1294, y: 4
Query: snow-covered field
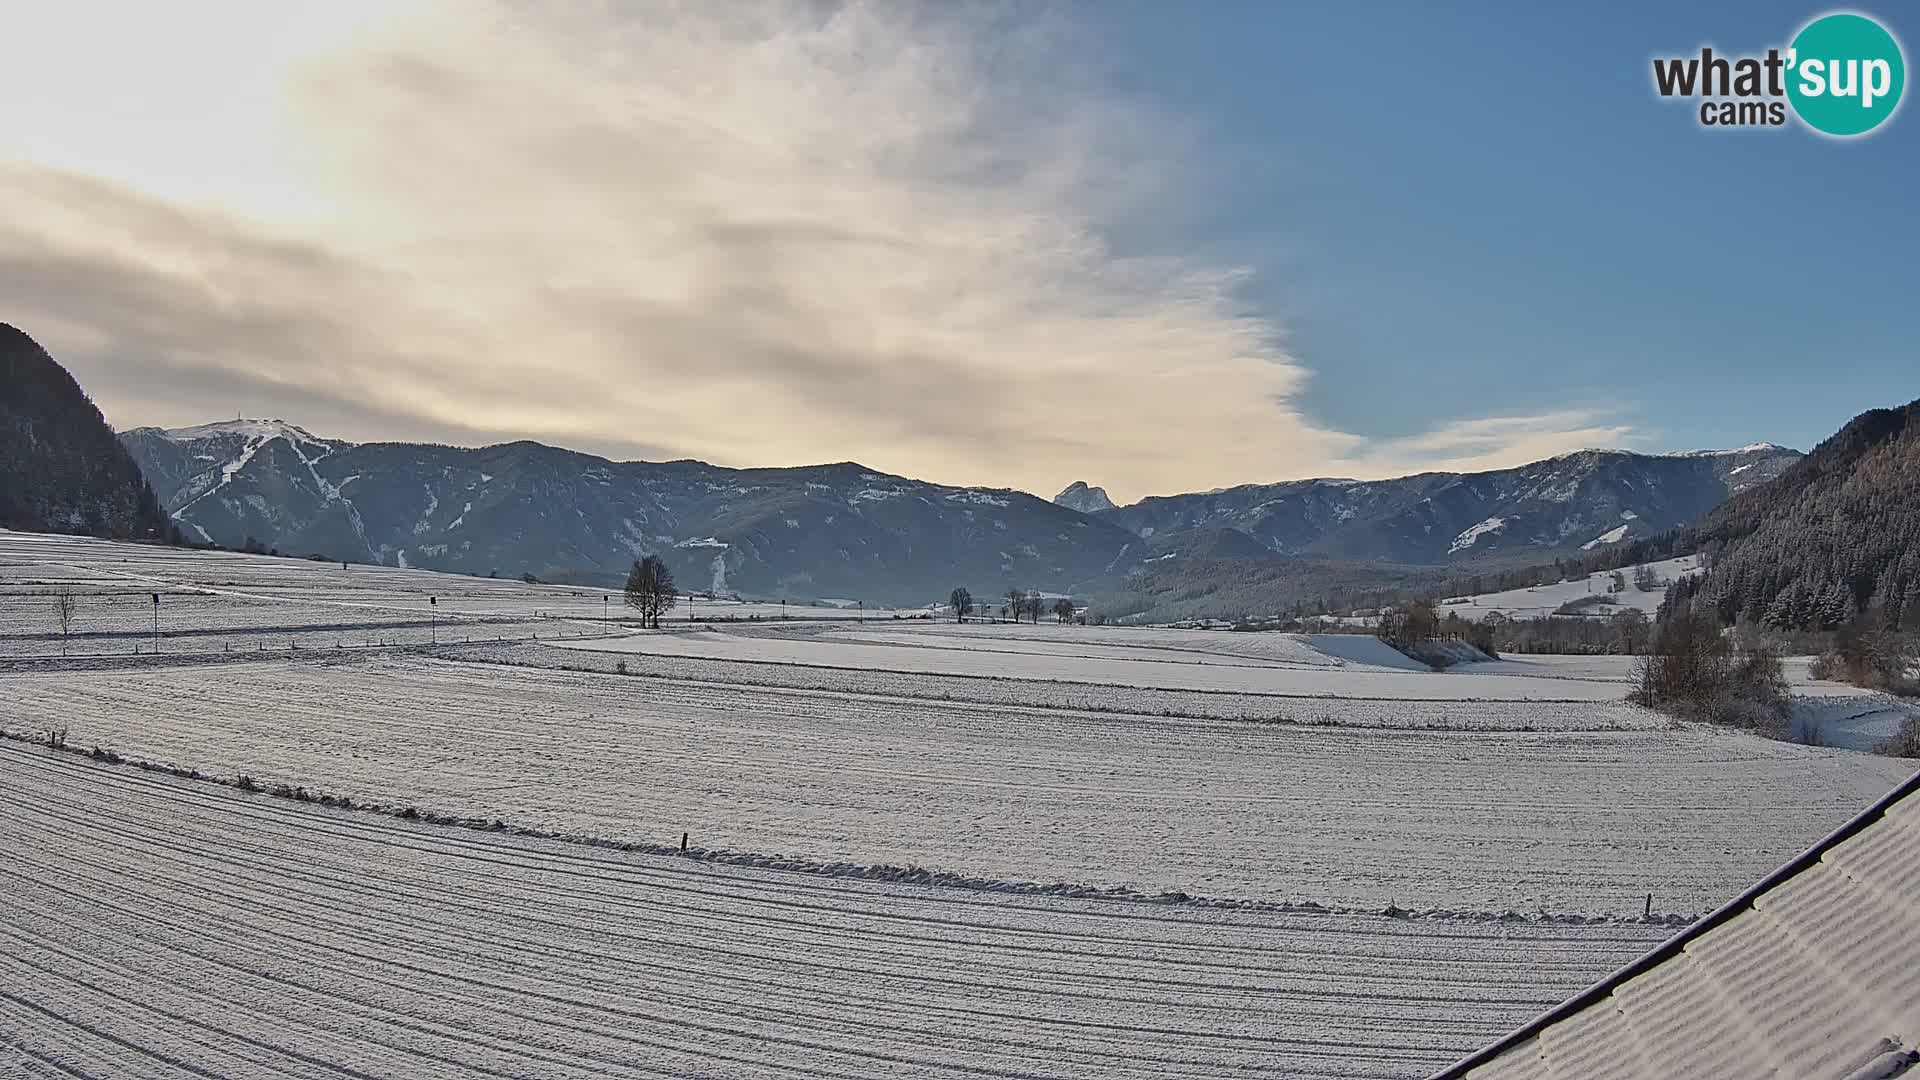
x: 1584, y: 821
x: 1068, y: 657
x: 1546, y: 599
x: 155, y: 927
x: 222, y: 601
x: 1148, y: 852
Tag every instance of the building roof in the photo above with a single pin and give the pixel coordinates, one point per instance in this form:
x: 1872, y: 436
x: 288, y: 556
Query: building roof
x: 1812, y: 973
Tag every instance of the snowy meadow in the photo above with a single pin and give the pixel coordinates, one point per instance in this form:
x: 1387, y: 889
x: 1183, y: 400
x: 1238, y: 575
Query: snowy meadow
x: 445, y: 836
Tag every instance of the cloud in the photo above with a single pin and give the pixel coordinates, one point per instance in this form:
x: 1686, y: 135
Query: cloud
x: 754, y: 234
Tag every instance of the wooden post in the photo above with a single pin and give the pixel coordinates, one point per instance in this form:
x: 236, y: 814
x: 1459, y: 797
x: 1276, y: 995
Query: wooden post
x: 683, y: 843
x: 1649, y: 912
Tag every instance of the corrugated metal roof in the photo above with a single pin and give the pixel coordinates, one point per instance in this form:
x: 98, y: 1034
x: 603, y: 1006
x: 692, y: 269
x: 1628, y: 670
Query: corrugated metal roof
x: 1812, y: 973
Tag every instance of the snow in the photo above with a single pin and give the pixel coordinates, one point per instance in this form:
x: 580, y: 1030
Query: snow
x: 978, y: 498
x: 1611, y: 536
x: 164, y: 927
x: 1750, y: 448
x: 1290, y: 811
x: 227, y: 471
x: 426, y: 515
x: 1473, y: 534
x: 703, y: 542
x: 252, y: 430
x: 1265, y: 791
x: 1545, y: 599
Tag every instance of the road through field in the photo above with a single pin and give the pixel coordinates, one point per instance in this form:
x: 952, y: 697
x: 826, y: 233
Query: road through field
x: 152, y: 927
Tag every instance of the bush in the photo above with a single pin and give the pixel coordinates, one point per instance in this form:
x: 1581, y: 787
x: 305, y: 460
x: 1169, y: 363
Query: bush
x: 1695, y: 673
x: 621, y: 668
x: 1905, y: 742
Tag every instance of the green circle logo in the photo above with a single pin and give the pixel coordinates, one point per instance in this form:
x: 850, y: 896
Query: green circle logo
x: 1845, y: 74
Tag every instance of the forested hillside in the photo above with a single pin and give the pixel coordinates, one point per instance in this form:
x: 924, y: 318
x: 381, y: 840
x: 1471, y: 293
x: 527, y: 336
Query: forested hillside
x: 1835, y: 536
x: 61, y: 468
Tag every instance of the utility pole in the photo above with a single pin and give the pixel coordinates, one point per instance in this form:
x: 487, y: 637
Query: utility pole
x: 603, y: 613
x: 156, y: 622
x: 862, y: 617
x: 433, y: 618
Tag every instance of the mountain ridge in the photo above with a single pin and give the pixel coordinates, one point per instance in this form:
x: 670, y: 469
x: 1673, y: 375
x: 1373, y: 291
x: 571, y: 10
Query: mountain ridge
x: 843, y: 528
x: 62, y: 469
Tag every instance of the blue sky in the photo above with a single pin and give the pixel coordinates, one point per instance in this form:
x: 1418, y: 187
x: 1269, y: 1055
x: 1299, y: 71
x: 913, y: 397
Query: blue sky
x: 1464, y: 209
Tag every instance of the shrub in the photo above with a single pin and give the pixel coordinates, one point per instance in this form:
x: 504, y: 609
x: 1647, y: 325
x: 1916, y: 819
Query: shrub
x: 1905, y: 742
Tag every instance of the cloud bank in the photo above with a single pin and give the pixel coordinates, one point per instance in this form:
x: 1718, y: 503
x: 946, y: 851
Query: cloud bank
x: 750, y: 233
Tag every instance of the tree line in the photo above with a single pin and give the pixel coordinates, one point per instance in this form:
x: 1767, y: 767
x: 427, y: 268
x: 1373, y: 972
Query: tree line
x: 1019, y: 604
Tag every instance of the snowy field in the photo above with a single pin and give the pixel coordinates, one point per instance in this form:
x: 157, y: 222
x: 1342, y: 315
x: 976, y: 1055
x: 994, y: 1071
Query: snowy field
x: 163, y: 928
x: 1581, y: 822
x: 1542, y: 600
x: 223, y: 601
x: 1146, y: 852
x: 1066, y: 655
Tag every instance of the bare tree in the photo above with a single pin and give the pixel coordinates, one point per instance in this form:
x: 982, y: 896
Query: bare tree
x: 650, y: 590
x: 1645, y: 579
x: 1016, y: 604
x: 1036, y: 607
x: 1063, y: 609
x: 63, y: 604
x: 962, y: 603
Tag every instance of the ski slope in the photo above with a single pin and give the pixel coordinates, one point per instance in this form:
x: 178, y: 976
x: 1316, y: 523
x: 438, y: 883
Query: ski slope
x: 159, y: 928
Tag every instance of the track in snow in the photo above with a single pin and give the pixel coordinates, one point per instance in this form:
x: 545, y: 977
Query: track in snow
x: 155, y: 927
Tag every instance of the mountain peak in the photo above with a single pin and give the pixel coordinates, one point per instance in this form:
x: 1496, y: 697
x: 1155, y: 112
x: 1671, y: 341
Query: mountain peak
x: 1750, y: 448
x: 245, y: 428
x: 1087, y: 500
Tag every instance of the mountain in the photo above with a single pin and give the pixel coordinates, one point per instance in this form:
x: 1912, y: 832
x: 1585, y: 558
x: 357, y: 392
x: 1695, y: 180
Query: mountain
x: 1087, y: 500
x: 61, y: 469
x: 818, y: 531
x: 1584, y: 500
x: 1837, y: 534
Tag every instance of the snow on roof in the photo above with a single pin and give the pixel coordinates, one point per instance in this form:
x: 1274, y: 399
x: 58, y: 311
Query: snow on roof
x: 1813, y: 972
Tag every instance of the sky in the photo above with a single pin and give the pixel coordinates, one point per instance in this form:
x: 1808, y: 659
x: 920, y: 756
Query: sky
x: 1154, y: 247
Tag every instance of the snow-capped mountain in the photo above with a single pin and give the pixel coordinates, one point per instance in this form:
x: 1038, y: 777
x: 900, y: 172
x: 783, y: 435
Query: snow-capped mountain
x: 827, y: 530
x: 1087, y: 500
x: 1582, y: 500
x: 845, y: 530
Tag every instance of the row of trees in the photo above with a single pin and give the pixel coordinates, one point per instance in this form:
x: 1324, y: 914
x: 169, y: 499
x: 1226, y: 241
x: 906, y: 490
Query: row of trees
x: 1411, y: 626
x: 1020, y: 604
